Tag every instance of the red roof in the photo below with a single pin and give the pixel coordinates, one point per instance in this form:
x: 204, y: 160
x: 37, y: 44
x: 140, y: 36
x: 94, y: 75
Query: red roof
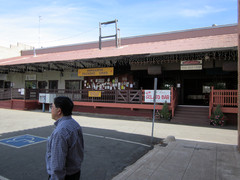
x: 169, y: 46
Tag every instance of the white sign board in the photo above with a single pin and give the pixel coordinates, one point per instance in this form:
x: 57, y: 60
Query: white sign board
x: 191, y: 65
x: 46, y: 98
x: 161, y: 96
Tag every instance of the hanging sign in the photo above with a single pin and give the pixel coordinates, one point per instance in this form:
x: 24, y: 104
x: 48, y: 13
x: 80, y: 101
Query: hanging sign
x: 96, y: 72
x: 161, y: 96
x: 94, y: 93
x: 191, y: 65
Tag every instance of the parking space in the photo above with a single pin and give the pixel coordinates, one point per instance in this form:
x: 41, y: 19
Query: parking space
x: 107, y: 152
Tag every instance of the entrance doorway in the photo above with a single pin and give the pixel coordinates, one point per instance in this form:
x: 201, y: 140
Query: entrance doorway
x: 196, y: 92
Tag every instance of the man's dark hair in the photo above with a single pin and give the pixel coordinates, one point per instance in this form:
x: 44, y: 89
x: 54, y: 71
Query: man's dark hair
x: 65, y: 104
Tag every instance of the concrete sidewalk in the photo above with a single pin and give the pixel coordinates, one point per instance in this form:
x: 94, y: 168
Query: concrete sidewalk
x: 186, y: 160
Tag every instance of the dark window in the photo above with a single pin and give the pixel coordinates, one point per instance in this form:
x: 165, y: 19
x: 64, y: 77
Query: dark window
x: 1, y: 84
x: 7, y: 84
x: 53, y: 84
x: 42, y: 84
x: 72, y: 84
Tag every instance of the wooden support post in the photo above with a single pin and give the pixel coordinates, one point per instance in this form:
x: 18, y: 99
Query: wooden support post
x: 239, y: 75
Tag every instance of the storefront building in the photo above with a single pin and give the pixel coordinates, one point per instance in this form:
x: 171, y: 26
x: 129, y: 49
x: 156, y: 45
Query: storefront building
x: 191, y: 62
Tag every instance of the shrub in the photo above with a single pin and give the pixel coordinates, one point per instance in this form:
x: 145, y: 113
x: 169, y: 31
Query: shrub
x: 165, y: 112
x: 217, y: 117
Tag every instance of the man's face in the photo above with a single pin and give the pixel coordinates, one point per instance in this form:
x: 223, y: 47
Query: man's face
x: 56, y: 112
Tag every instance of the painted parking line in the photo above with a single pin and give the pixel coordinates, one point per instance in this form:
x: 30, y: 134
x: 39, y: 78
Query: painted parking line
x: 22, y: 141
x: 3, y: 178
x: 116, y: 139
x: 27, y: 140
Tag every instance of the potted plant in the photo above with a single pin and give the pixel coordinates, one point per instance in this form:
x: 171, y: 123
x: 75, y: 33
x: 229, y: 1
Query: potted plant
x: 217, y: 118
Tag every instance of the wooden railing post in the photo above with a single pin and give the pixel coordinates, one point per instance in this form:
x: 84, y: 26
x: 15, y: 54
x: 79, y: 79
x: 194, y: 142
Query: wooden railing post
x: 25, y: 93
x: 211, y: 102
x: 116, y: 94
x: 11, y: 93
x: 143, y: 96
x: 172, y: 101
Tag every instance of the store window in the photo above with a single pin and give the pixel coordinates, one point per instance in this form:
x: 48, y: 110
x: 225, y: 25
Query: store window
x: 53, y: 84
x: 72, y: 84
x: 31, y: 84
x: 7, y: 84
x: 1, y: 84
x: 220, y: 85
x: 206, y: 89
x: 42, y: 84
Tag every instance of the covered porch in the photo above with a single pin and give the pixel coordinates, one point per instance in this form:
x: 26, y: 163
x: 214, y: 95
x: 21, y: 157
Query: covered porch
x: 129, y: 102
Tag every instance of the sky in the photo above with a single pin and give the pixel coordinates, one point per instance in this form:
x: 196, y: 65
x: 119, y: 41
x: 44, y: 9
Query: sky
x: 46, y: 23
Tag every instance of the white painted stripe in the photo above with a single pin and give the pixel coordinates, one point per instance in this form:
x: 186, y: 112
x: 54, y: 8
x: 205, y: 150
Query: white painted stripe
x: 3, y: 178
x: 93, y: 135
x: 116, y: 139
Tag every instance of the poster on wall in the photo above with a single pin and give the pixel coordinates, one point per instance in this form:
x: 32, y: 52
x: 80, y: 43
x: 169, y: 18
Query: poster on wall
x: 161, y: 96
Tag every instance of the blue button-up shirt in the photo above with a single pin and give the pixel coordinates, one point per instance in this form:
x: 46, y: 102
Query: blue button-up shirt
x: 65, y: 148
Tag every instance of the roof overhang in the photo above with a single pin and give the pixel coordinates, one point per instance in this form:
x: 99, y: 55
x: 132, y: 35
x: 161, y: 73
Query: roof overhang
x: 234, y: 48
x: 108, y: 56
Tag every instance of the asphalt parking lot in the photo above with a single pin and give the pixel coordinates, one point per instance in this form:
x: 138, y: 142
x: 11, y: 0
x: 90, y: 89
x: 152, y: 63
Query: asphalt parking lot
x: 107, y: 152
x: 111, y: 144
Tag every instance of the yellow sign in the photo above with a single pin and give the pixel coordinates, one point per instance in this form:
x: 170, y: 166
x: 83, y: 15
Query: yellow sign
x: 94, y: 93
x: 96, y: 72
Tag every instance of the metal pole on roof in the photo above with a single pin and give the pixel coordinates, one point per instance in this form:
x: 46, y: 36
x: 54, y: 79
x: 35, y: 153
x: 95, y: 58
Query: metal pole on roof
x: 34, y: 52
x: 119, y: 38
x: 111, y: 36
x: 116, y: 36
x: 100, y: 36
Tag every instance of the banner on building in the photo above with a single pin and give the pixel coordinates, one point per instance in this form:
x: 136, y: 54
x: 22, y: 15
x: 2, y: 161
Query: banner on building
x: 94, y: 94
x: 162, y: 96
x: 96, y: 72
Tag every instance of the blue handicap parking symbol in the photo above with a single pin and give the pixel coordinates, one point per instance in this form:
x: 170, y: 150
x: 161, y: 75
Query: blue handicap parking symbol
x: 22, y: 141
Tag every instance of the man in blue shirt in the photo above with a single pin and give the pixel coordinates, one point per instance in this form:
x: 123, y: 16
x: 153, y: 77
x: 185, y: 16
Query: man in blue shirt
x: 65, y: 146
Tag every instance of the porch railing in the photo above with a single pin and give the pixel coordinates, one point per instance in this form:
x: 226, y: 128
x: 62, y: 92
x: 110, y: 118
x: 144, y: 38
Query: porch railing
x: 107, y: 96
x: 110, y: 96
x: 227, y: 99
